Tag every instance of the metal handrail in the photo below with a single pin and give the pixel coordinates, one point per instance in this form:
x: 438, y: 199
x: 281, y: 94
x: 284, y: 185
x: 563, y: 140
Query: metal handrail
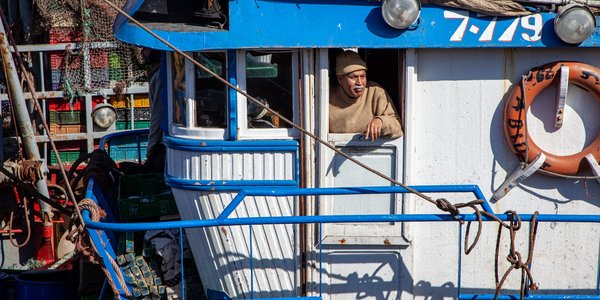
x: 99, y: 236
x: 224, y: 219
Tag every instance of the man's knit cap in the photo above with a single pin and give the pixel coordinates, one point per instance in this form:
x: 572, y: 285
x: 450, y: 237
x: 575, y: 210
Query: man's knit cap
x: 348, y: 62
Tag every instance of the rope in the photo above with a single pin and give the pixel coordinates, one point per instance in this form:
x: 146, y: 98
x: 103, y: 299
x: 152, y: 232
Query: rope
x: 446, y: 205
x: 77, y: 233
x: 27, y: 222
x: 80, y: 239
x: 441, y: 203
x: 31, y: 87
x: 99, y: 165
x: 33, y: 192
x: 514, y: 256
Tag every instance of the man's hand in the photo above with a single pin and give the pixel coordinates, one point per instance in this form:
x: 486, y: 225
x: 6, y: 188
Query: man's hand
x: 374, y: 129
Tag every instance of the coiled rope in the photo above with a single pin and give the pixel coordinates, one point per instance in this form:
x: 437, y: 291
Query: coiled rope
x: 79, y: 237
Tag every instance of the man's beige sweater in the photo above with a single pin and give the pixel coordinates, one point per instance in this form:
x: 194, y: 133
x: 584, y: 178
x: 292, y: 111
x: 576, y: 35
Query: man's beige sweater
x: 348, y: 115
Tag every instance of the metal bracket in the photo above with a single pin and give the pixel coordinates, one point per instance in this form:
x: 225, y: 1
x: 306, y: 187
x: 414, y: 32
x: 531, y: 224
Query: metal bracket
x: 561, y: 96
x: 518, y: 175
x: 594, y: 164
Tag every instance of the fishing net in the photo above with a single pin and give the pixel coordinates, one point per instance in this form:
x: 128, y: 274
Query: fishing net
x: 97, y: 61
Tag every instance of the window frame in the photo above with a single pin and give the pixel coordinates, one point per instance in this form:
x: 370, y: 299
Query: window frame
x: 242, y: 103
x: 362, y: 233
x: 189, y: 129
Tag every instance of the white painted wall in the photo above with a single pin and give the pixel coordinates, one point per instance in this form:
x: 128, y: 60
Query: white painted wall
x: 457, y: 115
x: 225, y: 255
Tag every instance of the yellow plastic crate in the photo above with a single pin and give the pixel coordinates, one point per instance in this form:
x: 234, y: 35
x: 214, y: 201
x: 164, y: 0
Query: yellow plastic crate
x: 139, y: 101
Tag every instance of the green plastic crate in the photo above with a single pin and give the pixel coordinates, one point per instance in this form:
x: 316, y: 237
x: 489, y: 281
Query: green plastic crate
x: 122, y: 125
x: 66, y: 157
x: 66, y: 117
x: 144, y: 196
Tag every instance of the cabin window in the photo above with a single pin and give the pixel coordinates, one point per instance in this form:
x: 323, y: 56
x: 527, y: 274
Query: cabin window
x: 383, y: 68
x: 178, y: 75
x: 270, y: 77
x: 210, y: 93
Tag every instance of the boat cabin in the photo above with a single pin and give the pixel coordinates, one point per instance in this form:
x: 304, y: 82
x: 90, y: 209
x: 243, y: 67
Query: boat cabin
x: 449, y: 73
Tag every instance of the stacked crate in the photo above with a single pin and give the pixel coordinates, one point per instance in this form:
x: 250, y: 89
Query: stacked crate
x: 128, y: 148
x: 61, y: 62
x: 140, y: 111
x: 58, y: 35
x: 98, y: 61
x: 67, y: 151
x: 64, y: 34
x: 65, y: 117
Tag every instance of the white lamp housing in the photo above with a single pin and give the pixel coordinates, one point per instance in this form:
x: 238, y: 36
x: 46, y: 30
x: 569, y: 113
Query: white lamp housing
x: 401, y: 14
x: 104, y: 115
x: 574, y: 23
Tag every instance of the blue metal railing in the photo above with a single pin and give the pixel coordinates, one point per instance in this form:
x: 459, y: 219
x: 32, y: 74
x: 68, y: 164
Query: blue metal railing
x: 99, y: 235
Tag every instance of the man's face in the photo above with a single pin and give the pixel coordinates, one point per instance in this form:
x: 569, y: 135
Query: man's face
x: 353, y: 84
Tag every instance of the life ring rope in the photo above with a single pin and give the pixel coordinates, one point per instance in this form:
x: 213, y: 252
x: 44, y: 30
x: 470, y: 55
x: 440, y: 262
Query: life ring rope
x: 515, y: 117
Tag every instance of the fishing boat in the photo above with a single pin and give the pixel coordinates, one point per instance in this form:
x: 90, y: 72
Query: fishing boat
x: 498, y: 102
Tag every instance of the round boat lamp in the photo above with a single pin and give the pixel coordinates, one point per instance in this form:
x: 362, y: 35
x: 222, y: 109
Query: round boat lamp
x: 574, y: 23
x: 104, y: 115
x: 400, y: 14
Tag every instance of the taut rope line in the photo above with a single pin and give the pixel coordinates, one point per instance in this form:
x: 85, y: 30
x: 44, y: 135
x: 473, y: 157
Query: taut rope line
x: 439, y: 202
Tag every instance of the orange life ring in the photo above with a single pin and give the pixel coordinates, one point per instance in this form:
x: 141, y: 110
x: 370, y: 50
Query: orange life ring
x: 515, y: 125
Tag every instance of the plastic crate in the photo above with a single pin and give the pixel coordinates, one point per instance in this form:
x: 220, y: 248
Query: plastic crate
x: 66, y: 157
x: 57, y: 76
x: 129, y: 141
x: 139, y: 114
x: 99, y: 77
x: 99, y: 59
x: 5, y: 107
x: 66, y: 117
x: 59, y: 60
x: 60, y: 104
x: 122, y: 114
x: 144, y: 196
x: 66, y: 128
x: 126, y: 154
x: 122, y: 125
x: 141, y: 124
x: 139, y: 101
x: 59, y: 35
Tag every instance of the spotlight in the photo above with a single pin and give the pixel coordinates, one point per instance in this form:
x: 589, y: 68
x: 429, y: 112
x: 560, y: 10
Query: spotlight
x: 400, y: 14
x: 574, y: 23
x: 104, y: 115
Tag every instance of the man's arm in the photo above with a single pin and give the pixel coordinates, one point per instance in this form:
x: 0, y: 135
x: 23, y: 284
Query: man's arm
x: 384, y: 110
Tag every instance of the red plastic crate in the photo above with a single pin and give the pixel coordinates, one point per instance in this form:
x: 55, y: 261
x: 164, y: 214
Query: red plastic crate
x: 64, y: 35
x: 58, y: 62
x: 98, y: 58
x: 59, y: 104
